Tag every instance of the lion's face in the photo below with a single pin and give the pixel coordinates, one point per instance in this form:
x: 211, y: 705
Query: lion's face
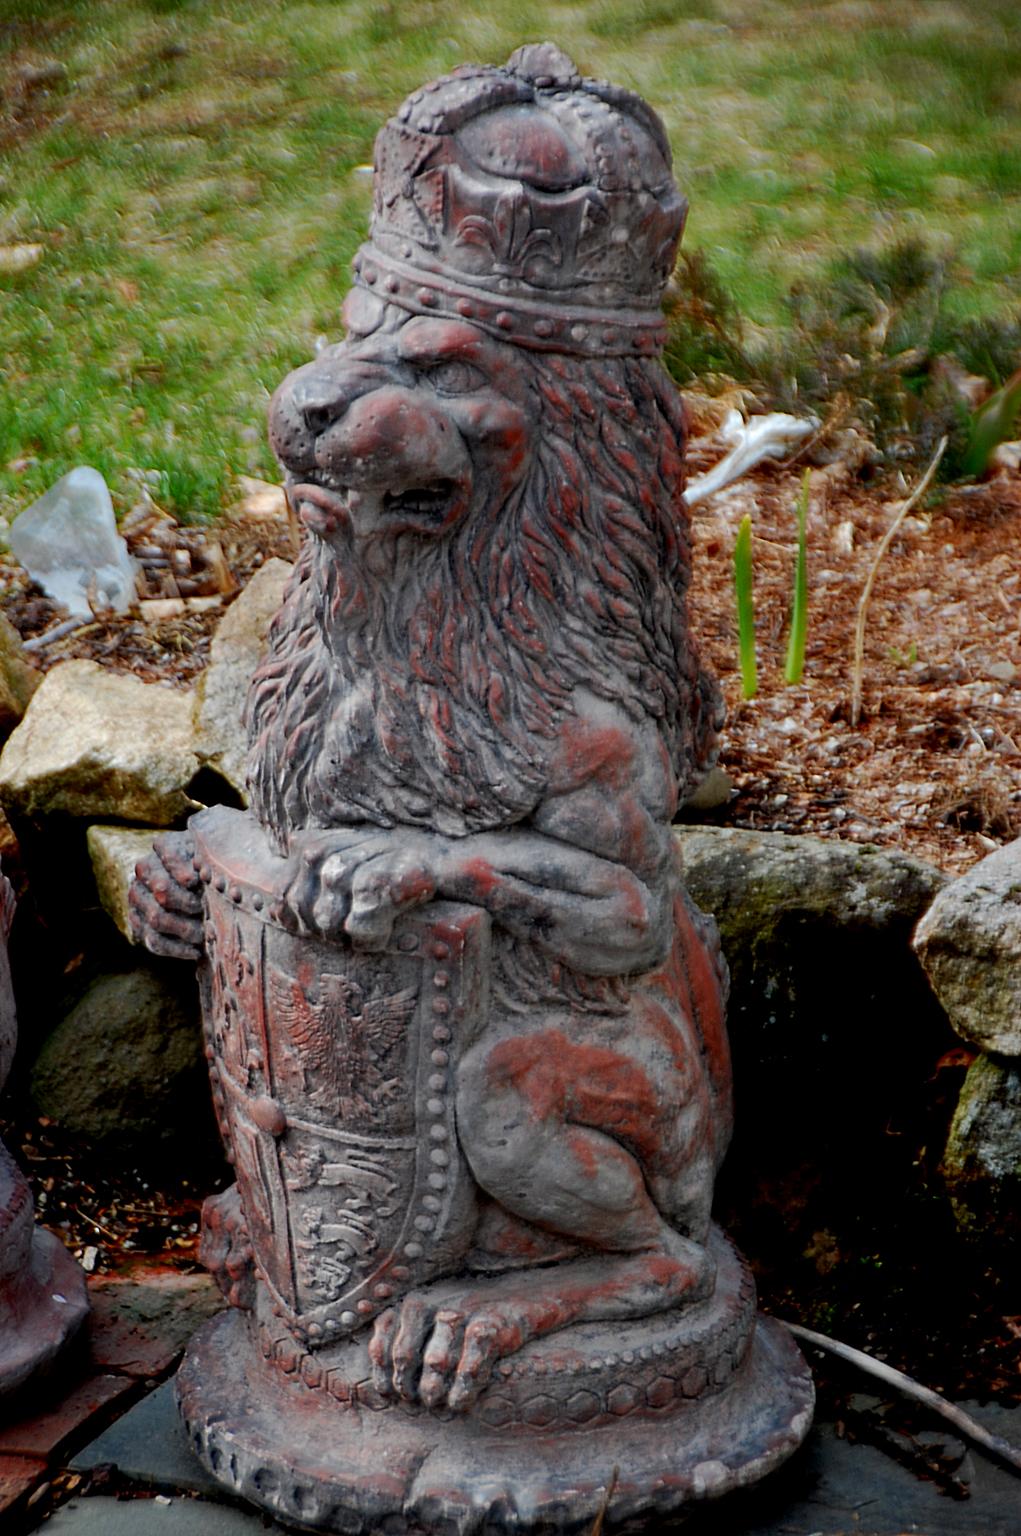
x: 495, y: 529
x: 410, y: 426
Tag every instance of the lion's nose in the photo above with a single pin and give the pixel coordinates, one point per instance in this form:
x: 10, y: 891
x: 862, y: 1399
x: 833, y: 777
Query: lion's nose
x: 390, y: 439
x: 354, y: 424
x: 309, y: 402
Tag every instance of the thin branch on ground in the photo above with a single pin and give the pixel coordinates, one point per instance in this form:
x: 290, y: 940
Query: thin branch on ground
x: 57, y: 632
x: 996, y: 1446
x: 597, y: 1524
x: 858, y: 664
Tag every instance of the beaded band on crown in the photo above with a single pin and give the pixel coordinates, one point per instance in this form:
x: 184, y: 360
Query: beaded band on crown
x: 542, y: 327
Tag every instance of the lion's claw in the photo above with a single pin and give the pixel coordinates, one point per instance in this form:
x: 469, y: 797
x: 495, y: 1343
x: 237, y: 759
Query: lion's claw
x: 441, y: 1352
x: 356, y: 880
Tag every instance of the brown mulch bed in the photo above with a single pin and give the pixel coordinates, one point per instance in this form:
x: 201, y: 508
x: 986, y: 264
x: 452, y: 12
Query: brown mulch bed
x: 934, y: 766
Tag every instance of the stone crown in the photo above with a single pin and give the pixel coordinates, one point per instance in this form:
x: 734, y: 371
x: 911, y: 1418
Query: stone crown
x: 533, y: 202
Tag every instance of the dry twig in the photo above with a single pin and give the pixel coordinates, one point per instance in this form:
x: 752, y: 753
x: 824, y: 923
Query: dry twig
x: 597, y: 1524
x: 858, y: 664
x: 880, y: 1371
x: 56, y: 632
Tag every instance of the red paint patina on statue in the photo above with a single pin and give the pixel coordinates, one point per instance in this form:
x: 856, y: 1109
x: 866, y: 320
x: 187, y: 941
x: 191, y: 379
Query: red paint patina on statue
x: 465, y: 1026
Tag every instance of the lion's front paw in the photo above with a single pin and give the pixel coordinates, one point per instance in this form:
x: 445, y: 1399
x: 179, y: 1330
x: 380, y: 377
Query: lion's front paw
x: 164, y: 902
x: 357, y: 881
x: 225, y: 1247
x: 442, y: 1351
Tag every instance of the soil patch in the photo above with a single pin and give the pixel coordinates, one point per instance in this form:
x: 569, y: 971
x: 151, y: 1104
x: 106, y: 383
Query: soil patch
x: 933, y: 766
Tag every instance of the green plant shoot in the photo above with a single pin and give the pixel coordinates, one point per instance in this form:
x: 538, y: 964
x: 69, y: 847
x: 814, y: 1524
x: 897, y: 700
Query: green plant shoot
x: 745, y: 608
x: 795, y: 663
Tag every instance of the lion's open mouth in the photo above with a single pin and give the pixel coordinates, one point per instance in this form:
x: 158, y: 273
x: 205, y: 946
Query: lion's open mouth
x: 425, y: 501
x: 368, y: 510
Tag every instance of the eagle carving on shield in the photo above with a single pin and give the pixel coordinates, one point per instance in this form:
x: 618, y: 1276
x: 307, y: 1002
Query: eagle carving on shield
x: 338, y: 1040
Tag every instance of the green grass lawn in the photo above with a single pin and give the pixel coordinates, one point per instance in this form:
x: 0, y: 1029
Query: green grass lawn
x: 197, y: 181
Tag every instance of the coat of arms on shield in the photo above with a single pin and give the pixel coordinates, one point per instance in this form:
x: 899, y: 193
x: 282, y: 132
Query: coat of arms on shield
x: 334, y: 1084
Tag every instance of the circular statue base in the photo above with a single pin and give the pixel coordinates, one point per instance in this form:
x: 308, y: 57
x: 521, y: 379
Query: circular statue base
x: 318, y: 1464
x: 43, y: 1299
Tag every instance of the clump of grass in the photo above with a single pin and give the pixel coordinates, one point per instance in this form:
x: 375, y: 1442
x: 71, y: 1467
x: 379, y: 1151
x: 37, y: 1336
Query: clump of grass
x: 872, y: 332
x: 705, y: 329
x: 745, y: 609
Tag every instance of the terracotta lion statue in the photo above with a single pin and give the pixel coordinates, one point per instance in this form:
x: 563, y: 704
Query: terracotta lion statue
x: 482, y: 687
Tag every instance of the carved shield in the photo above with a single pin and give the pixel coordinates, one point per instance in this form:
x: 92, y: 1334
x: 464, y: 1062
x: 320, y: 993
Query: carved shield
x: 333, y: 1078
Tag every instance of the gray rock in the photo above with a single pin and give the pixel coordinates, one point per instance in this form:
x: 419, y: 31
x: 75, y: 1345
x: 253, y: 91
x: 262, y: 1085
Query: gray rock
x: 114, y: 852
x: 753, y: 882
x: 68, y: 542
x: 824, y: 989
x: 126, y: 1064
x: 235, y: 651
x: 712, y: 791
x: 96, y: 743
x: 18, y: 678
x: 970, y: 945
x: 982, y: 1161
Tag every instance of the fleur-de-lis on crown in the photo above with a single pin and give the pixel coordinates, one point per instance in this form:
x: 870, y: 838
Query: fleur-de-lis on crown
x: 510, y: 237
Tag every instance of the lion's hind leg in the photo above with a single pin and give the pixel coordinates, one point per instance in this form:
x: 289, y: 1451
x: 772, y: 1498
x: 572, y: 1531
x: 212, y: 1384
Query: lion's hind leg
x: 517, y: 1103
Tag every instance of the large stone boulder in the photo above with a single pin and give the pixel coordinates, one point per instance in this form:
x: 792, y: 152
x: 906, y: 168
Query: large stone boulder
x: 114, y: 852
x: 833, y: 1028
x: 982, y: 1161
x: 789, y: 908
x: 236, y: 649
x: 100, y: 744
x: 18, y: 678
x: 969, y: 942
x: 756, y: 881
x: 125, y: 1065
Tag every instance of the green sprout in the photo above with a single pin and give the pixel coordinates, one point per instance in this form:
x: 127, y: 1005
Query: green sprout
x: 795, y: 663
x: 991, y: 425
x: 745, y: 608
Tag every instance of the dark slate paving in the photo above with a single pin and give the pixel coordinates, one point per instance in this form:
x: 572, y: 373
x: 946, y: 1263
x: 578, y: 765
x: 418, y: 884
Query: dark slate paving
x: 832, y: 1488
x: 150, y: 1517
x: 149, y: 1446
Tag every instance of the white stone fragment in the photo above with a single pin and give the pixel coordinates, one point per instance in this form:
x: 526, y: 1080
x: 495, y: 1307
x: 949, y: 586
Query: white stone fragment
x: 68, y: 542
x: 763, y: 437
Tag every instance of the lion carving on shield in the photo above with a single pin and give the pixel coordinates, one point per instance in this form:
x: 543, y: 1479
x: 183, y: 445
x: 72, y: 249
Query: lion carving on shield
x: 482, y: 688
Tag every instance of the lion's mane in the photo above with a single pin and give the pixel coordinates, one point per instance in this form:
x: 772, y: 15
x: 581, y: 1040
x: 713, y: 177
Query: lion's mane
x: 434, y: 700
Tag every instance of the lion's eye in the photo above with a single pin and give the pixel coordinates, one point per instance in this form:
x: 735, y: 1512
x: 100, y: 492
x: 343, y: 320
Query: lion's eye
x: 455, y: 378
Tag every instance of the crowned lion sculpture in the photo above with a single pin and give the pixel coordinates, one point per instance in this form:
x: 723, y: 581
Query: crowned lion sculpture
x: 466, y: 1027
